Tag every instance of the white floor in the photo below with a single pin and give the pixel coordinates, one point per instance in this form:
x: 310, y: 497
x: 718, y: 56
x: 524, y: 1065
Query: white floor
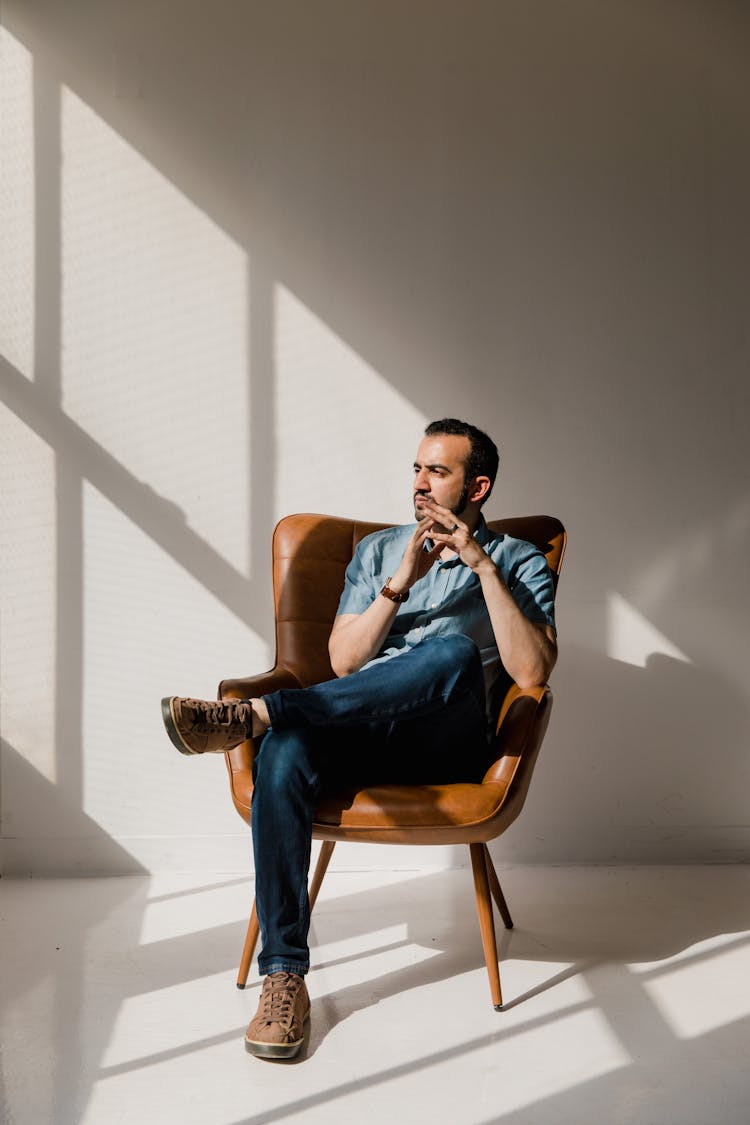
x: 627, y: 1000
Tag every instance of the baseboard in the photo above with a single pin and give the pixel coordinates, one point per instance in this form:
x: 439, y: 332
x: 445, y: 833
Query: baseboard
x: 100, y: 855
x: 232, y: 853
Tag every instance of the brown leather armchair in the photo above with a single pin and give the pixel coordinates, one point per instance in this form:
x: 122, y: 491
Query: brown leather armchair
x: 310, y: 555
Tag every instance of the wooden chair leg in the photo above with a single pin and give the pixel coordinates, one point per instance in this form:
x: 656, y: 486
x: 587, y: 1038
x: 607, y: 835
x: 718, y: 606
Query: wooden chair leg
x: 486, y: 924
x: 251, y: 938
x: 326, y: 851
x: 496, y: 889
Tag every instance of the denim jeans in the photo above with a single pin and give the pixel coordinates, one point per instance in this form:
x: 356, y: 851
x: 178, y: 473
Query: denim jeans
x: 418, y: 717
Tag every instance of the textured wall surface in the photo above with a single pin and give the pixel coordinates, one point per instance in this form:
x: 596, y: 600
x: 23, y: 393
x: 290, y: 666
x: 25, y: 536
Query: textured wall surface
x: 247, y: 251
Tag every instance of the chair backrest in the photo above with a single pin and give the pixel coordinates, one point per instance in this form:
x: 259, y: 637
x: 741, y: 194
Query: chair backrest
x: 310, y: 556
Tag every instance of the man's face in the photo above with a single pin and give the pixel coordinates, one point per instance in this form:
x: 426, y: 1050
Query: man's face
x: 439, y: 473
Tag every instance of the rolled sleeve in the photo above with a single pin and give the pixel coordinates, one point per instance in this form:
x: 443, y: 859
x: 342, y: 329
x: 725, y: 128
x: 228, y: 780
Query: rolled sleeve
x: 359, y: 582
x: 531, y: 584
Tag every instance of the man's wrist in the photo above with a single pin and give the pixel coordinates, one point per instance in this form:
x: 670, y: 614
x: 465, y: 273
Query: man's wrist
x: 393, y: 592
x: 485, y: 568
x: 399, y: 585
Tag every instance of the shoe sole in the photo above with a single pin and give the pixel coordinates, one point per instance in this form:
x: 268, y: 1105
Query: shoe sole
x: 167, y: 714
x: 264, y: 1050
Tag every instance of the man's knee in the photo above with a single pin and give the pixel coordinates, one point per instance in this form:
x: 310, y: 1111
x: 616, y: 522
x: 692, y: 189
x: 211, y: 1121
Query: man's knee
x: 457, y: 651
x: 452, y: 664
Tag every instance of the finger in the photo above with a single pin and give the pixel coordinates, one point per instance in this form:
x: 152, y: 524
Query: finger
x: 445, y: 516
x: 456, y: 541
x: 432, y: 505
x: 443, y: 536
x: 450, y: 527
x: 422, y: 529
x: 429, y: 558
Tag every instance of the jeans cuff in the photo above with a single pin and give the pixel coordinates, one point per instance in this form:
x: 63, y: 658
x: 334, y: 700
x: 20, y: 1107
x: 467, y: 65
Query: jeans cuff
x: 270, y: 703
x: 284, y: 967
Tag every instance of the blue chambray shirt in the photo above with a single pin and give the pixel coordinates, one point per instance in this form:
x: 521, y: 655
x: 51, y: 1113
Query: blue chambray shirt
x: 449, y: 598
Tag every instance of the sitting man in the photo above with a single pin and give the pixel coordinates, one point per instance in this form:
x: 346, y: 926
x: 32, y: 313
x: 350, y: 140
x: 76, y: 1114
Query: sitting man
x: 435, y: 621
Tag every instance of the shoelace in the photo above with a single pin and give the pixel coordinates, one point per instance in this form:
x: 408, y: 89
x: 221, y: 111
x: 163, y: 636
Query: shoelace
x: 210, y: 715
x: 279, y: 995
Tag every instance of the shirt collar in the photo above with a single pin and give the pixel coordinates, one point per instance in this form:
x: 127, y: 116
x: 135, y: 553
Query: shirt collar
x: 482, y: 533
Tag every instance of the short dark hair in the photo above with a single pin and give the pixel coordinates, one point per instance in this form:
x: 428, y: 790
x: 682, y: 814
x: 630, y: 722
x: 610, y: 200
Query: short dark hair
x: 483, y: 459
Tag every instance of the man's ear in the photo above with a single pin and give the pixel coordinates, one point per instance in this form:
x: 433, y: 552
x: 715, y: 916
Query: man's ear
x: 480, y: 486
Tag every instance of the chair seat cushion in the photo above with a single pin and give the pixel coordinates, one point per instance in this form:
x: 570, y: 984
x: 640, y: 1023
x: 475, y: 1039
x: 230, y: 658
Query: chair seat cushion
x: 460, y: 812
x: 384, y: 807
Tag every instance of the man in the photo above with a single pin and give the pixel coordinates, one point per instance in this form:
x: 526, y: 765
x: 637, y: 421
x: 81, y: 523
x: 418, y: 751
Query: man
x: 435, y: 620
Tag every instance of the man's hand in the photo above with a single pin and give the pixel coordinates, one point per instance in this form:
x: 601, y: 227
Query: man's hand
x: 447, y: 530
x: 357, y: 637
x: 416, y: 560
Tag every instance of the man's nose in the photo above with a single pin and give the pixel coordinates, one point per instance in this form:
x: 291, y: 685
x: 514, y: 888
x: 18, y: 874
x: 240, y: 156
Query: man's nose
x: 421, y: 482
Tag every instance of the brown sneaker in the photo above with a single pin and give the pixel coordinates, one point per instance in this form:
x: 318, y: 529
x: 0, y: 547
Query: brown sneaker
x: 199, y: 726
x: 276, y: 1032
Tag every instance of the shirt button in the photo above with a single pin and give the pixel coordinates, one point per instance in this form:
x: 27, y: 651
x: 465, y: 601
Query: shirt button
x: 433, y: 606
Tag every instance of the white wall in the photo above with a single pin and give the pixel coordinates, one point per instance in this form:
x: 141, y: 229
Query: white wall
x: 247, y: 252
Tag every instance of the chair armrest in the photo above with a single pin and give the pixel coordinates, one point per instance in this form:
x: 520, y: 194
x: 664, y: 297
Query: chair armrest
x: 240, y: 759
x: 513, y: 693
x: 251, y: 687
x: 521, y: 725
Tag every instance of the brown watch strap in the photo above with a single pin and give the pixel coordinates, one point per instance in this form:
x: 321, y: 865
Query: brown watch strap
x: 393, y: 595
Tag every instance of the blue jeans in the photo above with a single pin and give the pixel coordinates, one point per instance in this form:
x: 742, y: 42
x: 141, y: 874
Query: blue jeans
x: 416, y: 718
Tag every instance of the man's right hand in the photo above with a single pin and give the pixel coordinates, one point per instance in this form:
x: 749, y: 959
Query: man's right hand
x: 357, y: 637
x: 416, y: 560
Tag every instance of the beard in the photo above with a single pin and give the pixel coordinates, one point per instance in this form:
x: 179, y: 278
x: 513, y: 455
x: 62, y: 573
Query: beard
x: 460, y: 507
x: 457, y: 509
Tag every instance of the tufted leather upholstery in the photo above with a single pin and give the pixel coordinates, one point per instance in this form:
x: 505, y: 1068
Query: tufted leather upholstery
x: 310, y: 555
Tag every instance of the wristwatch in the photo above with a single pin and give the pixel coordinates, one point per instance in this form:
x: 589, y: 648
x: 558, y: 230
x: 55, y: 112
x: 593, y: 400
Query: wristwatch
x: 392, y: 595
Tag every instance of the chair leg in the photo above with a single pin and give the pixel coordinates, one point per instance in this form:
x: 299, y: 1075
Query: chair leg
x: 251, y: 938
x: 324, y: 858
x: 496, y: 889
x: 486, y: 924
